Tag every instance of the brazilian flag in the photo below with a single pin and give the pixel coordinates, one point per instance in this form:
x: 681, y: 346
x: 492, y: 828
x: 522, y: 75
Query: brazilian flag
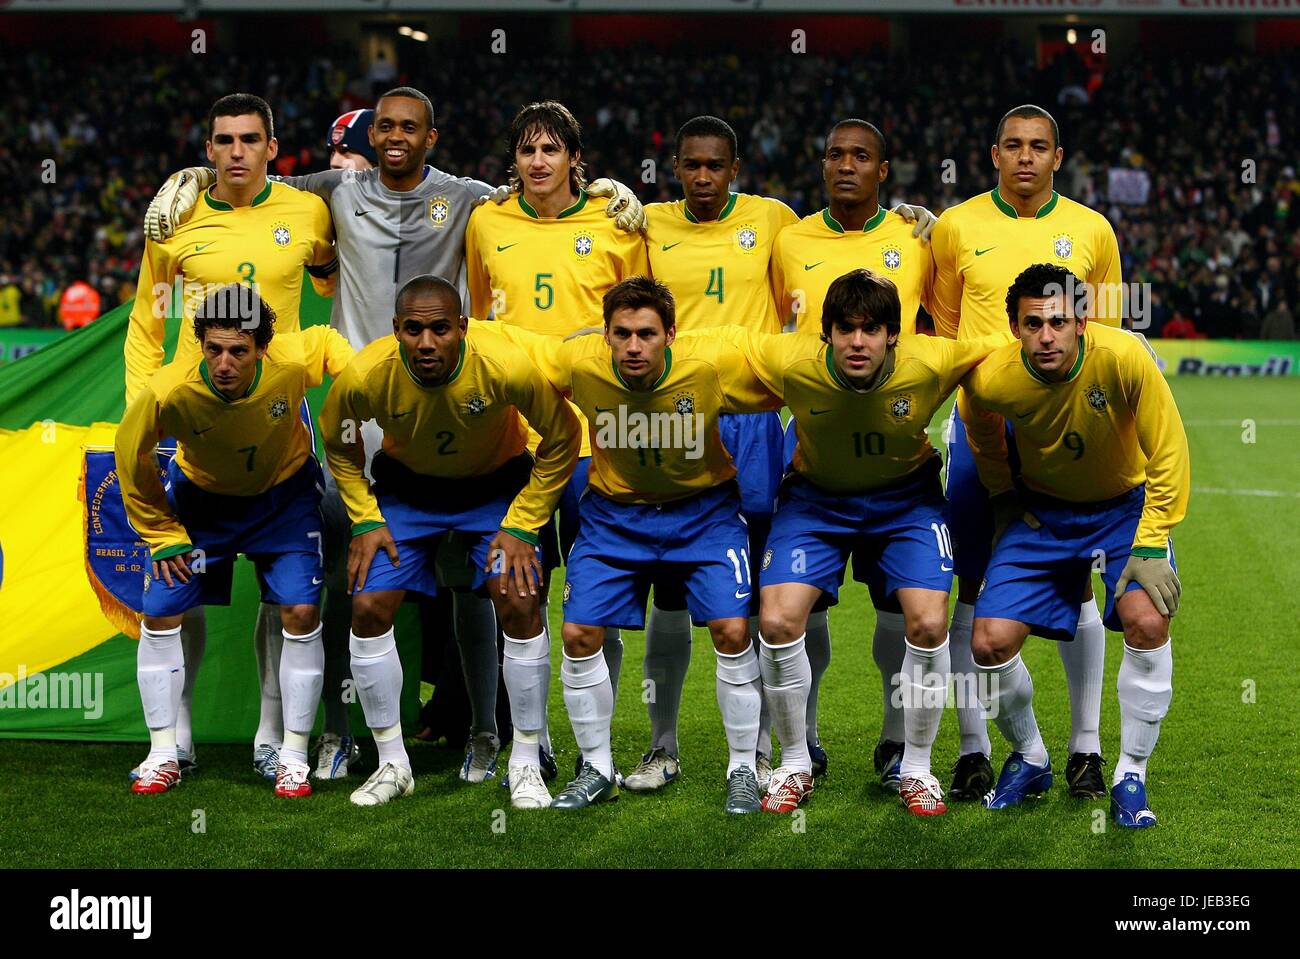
x: 53, y: 404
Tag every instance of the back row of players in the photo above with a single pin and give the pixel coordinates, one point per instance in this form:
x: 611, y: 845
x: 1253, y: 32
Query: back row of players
x: 1072, y: 428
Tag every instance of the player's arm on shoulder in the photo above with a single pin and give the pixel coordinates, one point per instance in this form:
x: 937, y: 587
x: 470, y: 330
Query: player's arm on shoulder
x: 175, y: 201
x: 946, y: 289
x: 477, y: 277
x: 137, y: 469
x: 328, y: 353
x: 743, y: 389
x: 323, y: 183
x: 623, y: 205
x: 957, y: 358
x: 919, y: 215
x: 557, y: 452
x: 146, y: 326
x: 987, y: 437
x: 782, y: 215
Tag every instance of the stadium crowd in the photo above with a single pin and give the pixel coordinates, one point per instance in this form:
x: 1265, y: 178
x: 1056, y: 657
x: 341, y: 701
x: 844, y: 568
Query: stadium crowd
x: 1191, y: 160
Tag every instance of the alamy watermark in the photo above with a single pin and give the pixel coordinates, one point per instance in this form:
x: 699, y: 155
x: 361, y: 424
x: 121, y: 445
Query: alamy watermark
x: 617, y: 428
x: 83, y: 691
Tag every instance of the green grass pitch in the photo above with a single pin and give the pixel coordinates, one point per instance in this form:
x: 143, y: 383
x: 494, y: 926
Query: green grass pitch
x: 1222, y: 779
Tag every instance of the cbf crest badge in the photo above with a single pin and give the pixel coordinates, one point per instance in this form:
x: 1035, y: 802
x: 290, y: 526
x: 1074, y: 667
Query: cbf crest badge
x: 1096, y: 397
x: 746, y: 237
x: 767, y: 559
x: 583, y: 243
x: 475, y: 405
x: 900, y: 408
x: 684, y: 404
x: 439, y: 211
x: 892, y: 258
x: 1063, y: 246
x: 280, y: 233
x: 279, y: 406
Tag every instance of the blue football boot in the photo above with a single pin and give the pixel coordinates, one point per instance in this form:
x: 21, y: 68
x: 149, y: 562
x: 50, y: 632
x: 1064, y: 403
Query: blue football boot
x: 1128, y: 803
x: 1019, y: 781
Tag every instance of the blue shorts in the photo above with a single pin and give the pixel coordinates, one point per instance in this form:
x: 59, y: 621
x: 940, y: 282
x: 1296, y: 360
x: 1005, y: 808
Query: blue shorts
x: 623, y: 548
x: 969, y: 515
x: 756, y: 445
x: 417, y: 528
x: 1039, y: 576
x: 279, y: 530
x: 896, y: 536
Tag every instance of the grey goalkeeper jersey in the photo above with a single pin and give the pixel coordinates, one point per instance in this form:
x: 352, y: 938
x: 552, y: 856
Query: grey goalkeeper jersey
x: 384, y: 238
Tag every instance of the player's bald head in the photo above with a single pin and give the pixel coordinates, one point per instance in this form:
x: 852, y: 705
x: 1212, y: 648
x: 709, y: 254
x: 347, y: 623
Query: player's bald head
x: 423, y: 289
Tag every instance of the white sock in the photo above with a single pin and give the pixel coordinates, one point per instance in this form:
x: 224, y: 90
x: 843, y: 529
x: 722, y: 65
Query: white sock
x: 739, y: 700
x: 476, y: 637
x: 194, y: 640
x: 160, y: 673
x: 527, y: 668
x: 268, y: 640
x: 1146, y: 686
x: 589, y: 699
x: 888, y: 645
x: 1010, y: 703
x: 764, y: 747
x: 377, y: 672
x: 391, y: 747
x: 971, y: 720
x: 613, y: 652
x: 336, y: 623
x: 817, y: 642
x: 544, y: 743
x: 1085, y: 664
x: 667, y: 657
x: 786, y: 679
x: 302, y: 675
x: 924, y: 683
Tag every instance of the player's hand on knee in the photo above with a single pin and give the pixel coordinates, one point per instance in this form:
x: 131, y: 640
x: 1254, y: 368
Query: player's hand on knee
x: 172, y: 570
x: 923, y: 218
x: 1156, y: 575
x: 1007, y: 508
x: 361, y: 552
x: 516, y: 562
x: 172, y: 205
x: 624, y: 207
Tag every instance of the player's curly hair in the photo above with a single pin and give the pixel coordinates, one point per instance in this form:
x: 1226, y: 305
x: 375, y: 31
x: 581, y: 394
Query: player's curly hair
x: 862, y: 293
x: 1041, y: 279
x: 706, y: 126
x: 238, y: 105
x: 554, y: 119
x: 235, y: 307
x: 641, y: 292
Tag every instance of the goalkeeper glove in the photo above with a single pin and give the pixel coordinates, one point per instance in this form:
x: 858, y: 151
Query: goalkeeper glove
x: 498, y: 196
x: 1157, y: 577
x: 629, y: 216
x: 923, y: 218
x: 172, y: 206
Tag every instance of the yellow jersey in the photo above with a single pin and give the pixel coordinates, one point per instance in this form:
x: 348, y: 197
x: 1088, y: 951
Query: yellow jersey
x: 719, y: 271
x: 813, y: 253
x: 849, y: 440
x: 469, y: 426
x: 660, y: 444
x: 1110, y: 426
x: 982, y: 245
x: 239, y: 447
x: 547, y: 275
x: 266, y: 244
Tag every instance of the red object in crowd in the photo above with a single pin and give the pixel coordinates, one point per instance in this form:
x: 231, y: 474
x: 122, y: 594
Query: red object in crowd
x: 79, y: 305
x: 1181, y: 328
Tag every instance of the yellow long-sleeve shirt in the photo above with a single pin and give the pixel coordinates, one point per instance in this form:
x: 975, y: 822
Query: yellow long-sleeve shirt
x: 660, y: 444
x: 981, y: 246
x: 267, y: 243
x: 810, y: 255
x: 1111, y: 426
x: 719, y: 270
x: 239, y: 447
x: 469, y: 426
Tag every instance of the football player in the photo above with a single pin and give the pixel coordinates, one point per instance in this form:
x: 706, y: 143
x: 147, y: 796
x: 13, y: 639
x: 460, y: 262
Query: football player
x: 453, y: 460
x: 244, y: 480
x: 980, y: 246
x: 1103, y: 478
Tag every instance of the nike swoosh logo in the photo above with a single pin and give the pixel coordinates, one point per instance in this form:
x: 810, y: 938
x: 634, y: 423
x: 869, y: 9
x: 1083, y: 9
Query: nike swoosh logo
x: 1024, y: 416
x: 811, y: 266
x: 361, y: 212
x: 740, y: 595
x: 669, y: 246
x: 985, y: 250
x: 818, y: 412
x: 200, y: 247
x: 398, y: 416
x: 502, y: 249
x: 202, y: 431
x: 315, y: 580
x: 946, y: 569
